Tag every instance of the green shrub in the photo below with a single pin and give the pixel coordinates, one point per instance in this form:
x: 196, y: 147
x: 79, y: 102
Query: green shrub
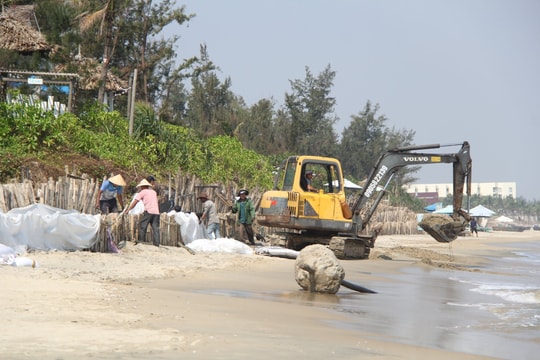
x: 154, y: 148
x: 96, y: 118
x: 32, y: 127
x: 10, y: 164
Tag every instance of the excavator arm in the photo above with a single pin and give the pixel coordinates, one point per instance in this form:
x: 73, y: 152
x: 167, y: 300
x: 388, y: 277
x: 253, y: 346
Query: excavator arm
x: 393, y: 160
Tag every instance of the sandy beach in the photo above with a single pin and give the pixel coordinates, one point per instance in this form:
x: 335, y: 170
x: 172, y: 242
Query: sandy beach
x: 166, y: 303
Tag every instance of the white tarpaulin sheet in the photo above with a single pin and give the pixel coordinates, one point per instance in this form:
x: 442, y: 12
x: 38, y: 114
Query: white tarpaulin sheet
x: 43, y: 227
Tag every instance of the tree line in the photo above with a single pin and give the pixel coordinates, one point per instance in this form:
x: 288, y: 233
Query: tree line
x: 126, y: 34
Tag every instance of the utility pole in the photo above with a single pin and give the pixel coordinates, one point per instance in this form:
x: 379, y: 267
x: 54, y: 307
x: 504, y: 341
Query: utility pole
x: 132, y: 102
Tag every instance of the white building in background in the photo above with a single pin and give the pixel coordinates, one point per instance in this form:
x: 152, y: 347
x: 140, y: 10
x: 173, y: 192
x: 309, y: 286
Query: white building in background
x: 496, y: 189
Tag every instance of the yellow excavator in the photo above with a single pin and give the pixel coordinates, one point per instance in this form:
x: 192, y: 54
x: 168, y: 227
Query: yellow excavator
x: 307, y: 204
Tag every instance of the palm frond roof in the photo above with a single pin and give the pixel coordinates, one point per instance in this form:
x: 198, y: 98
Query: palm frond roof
x: 17, y: 32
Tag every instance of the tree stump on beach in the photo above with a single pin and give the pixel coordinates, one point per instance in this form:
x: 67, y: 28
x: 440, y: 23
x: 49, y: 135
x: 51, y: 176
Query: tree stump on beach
x: 318, y: 270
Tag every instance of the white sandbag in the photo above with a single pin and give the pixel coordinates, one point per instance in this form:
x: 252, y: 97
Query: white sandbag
x: 137, y: 209
x: 24, y: 261
x: 224, y: 245
x: 190, y: 228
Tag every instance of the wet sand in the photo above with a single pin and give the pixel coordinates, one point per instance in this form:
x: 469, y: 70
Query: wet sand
x: 165, y: 303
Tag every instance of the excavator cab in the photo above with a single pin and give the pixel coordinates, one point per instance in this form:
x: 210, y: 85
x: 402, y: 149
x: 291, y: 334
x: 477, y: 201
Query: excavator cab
x: 325, y: 174
x: 306, y: 203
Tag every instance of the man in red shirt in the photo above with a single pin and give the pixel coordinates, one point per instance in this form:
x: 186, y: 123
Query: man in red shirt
x: 151, y: 211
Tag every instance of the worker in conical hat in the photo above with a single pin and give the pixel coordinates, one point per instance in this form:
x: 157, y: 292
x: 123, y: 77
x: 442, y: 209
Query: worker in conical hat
x: 118, y: 180
x: 151, y: 211
x: 110, y: 195
x: 144, y: 184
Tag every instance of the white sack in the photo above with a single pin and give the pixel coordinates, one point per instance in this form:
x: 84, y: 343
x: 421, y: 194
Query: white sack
x: 24, y: 261
x: 8, y: 256
x: 190, y: 228
x: 194, y: 236
x: 224, y: 245
x: 137, y: 209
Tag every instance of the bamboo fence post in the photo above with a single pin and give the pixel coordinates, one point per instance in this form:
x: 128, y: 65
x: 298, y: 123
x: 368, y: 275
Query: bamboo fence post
x: 3, y: 204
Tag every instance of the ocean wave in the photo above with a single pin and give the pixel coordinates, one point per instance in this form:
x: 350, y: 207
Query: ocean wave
x: 521, y: 294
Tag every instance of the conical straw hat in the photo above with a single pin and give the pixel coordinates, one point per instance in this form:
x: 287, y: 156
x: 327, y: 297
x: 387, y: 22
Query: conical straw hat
x: 144, y: 182
x: 117, y: 180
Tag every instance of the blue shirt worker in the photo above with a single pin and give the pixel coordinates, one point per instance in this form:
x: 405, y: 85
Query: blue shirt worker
x: 110, y: 195
x: 474, y: 227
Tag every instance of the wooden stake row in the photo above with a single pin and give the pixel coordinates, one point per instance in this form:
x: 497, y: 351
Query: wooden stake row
x: 126, y: 228
x: 80, y: 194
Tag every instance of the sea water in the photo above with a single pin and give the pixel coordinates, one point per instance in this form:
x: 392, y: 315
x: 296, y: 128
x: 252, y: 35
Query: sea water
x: 513, y: 285
x: 491, y: 311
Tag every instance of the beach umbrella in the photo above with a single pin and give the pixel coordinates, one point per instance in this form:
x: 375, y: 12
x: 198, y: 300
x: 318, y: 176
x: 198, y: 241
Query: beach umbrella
x: 481, y: 211
x: 350, y: 185
x: 433, y: 207
x: 448, y: 209
x: 347, y: 184
x: 504, y: 219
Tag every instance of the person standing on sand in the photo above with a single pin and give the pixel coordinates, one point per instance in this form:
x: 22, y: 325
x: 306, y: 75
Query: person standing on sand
x: 210, y: 216
x: 246, y: 213
x: 474, y: 227
x: 151, y: 211
x: 110, y: 195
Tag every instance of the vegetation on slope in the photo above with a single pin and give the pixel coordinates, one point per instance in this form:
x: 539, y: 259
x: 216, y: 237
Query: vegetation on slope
x: 97, y: 143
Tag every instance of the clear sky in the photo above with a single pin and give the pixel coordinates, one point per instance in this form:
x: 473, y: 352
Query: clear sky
x: 451, y: 70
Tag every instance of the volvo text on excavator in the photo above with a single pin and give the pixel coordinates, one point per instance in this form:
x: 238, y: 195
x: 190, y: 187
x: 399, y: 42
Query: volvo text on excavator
x: 301, y: 216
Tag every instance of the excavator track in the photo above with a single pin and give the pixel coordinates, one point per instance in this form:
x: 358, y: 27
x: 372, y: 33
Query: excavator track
x: 351, y: 247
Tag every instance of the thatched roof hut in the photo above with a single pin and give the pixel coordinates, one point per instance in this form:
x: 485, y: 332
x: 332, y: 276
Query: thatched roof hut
x: 90, y: 72
x: 17, y: 32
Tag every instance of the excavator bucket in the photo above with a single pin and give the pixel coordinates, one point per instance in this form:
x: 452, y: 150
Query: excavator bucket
x: 442, y: 228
